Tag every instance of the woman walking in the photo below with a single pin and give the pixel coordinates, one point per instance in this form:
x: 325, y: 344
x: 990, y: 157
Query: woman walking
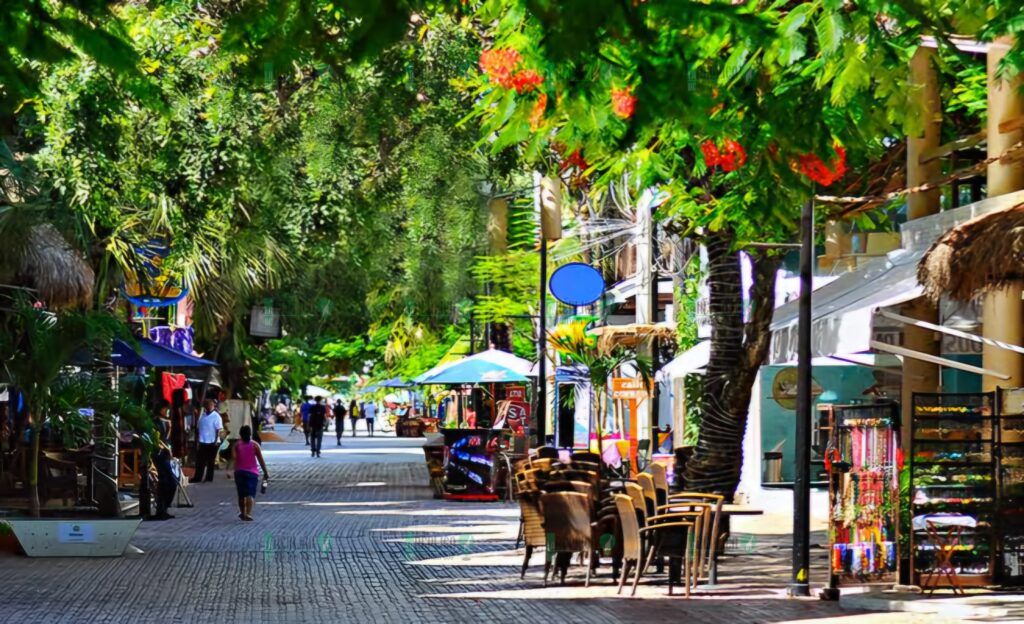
x: 248, y: 460
x: 353, y: 415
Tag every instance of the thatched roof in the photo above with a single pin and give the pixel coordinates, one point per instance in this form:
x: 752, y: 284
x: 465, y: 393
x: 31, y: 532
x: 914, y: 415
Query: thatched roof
x: 58, y: 273
x: 978, y: 256
x: 630, y: 335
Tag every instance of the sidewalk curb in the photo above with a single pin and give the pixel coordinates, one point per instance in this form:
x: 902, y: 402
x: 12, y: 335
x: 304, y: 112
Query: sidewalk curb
x: 922, y: 606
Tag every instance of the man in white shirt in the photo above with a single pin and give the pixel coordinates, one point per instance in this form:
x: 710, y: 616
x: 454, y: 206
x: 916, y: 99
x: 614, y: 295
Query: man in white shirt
x: 208, y: 429
x: 369, y: 413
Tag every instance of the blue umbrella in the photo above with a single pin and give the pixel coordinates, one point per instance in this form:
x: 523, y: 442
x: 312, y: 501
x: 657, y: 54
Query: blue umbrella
x: 394, y: 382
x: 474, y: 372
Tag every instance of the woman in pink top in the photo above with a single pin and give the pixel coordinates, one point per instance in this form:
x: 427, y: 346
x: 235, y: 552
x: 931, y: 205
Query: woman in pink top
x: 248, y: 459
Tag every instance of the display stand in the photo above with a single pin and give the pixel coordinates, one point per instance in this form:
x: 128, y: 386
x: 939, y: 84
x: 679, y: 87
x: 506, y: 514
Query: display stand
x: 953, y: 478
x: 862, y: 461
x: 1011, y: 487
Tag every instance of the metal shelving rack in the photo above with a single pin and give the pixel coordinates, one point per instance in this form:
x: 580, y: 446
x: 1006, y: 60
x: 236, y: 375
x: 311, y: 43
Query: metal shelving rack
x: 1010, y: 477
x: 954, y: 449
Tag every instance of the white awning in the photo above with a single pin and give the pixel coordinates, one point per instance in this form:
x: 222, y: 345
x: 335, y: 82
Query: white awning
x: 692, y: 361
x: 843, y: 311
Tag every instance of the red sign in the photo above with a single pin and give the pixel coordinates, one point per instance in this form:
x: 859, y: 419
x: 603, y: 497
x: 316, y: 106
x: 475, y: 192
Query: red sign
x: 515, y: 393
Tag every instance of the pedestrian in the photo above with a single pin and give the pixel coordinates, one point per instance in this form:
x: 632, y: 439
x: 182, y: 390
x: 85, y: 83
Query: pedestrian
x: 339, y: 420
x: 317, y: 422
x: 162, y: 420
x: 353, y: 415
x: 167, y: 483
x: 369, y: 413
x: 304, y: 413
x: 210, y: 427
x: 248, y: 459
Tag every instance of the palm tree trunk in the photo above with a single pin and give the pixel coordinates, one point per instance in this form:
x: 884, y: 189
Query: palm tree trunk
x: 737, y: 351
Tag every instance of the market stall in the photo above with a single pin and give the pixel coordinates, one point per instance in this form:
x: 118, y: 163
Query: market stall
x: 863, y: 462
x: 482, y: 422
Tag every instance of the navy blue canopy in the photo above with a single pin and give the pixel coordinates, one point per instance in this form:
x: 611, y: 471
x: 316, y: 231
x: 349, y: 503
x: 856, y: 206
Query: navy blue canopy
x: 154, y: 355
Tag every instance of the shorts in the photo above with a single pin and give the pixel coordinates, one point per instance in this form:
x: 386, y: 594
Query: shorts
x: 246, y: 483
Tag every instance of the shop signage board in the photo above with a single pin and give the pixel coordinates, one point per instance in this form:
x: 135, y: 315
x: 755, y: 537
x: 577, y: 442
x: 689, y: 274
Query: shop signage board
x: 628, y: 388
x: 515, y: 393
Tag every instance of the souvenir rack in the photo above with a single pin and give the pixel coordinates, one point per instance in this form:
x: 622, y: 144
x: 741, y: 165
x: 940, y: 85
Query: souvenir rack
x: 1010, y: 564
x: 953, y: 472
x: 862, y: 460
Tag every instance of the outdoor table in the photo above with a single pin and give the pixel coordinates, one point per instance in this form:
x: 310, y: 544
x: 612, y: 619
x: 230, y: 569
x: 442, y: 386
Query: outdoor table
x: 945, y: 531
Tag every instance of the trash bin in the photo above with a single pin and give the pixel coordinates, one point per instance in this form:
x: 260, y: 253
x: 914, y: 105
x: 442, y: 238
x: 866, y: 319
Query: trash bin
x: 772, y: 467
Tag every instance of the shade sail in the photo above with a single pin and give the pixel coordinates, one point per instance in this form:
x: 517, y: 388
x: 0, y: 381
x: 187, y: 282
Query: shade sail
x: 470, y: 371
x: 154, y: 355
x: 843, y: 311
x: 502, y: 358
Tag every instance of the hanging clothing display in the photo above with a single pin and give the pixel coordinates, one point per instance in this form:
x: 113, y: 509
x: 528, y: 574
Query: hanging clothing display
x: 170, y: 382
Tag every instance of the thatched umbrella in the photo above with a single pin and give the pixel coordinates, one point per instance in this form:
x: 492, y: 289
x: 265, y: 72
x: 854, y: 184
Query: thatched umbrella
x: 59, y: 275
x: 976, y: 257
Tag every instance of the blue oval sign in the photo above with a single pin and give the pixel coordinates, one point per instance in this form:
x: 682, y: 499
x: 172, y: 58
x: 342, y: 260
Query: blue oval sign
x: 576, y: 284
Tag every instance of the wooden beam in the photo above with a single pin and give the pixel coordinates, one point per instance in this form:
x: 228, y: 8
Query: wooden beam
x: 946, y: 149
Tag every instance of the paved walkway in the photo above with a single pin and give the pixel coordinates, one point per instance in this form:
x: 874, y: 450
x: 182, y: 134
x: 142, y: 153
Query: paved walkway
x: 356, y: 536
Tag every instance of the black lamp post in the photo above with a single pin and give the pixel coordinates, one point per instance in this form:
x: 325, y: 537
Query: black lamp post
x: 800, y: 582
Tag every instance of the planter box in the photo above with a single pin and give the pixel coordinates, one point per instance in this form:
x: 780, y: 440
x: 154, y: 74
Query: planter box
x: 94, y: 537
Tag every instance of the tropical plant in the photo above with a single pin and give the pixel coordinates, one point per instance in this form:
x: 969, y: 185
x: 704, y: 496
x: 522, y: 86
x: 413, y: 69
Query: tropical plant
x: 36, y: 349
x: 601, y: 362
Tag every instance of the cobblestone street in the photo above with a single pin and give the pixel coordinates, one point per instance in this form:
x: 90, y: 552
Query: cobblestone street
x: 356, y: 536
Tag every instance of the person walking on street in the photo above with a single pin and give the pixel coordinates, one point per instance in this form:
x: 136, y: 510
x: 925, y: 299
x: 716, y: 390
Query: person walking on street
x: 210, y: 427
x: 353, y: 415
x: 167, y: 483
x: 248, y: 460
x: 339, y: 420
x: 304, y: 411
x: 369, y: 413
x: 317, y: 422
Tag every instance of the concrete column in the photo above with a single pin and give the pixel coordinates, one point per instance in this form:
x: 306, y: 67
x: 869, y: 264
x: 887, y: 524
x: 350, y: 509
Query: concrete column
x: 1001, y: 311
x: 921, y: 376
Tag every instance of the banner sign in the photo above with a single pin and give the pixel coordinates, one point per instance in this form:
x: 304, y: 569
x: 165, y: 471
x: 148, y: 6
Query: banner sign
x: 630, y: 388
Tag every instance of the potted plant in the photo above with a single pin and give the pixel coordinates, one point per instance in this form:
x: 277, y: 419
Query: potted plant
x: 8, y: 542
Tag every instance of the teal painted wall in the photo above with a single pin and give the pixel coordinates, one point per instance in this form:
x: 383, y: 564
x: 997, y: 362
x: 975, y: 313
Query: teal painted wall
x: 837, y: 384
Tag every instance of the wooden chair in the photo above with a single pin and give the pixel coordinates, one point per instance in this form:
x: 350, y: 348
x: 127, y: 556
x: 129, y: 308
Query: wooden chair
x: 541, y: 464
x: 659, y: 474
x: 569, y: 530
x: 632, y: 544
x: 532, y: 527
x: 586, y: 456
x: 58, y: 478
x: 646, y: 483
x: 713, y: 536
x: 675, y: 536
x: 546, y: 452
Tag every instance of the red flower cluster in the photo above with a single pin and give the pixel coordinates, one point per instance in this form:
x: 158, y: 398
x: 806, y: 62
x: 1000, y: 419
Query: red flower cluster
x: 537, y: 112
x: 498, y: 64
x: 814, y: 168
x: 526, y: 81
x: 623, y: 102
x: 730, y: 157
x: 576, y: 160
